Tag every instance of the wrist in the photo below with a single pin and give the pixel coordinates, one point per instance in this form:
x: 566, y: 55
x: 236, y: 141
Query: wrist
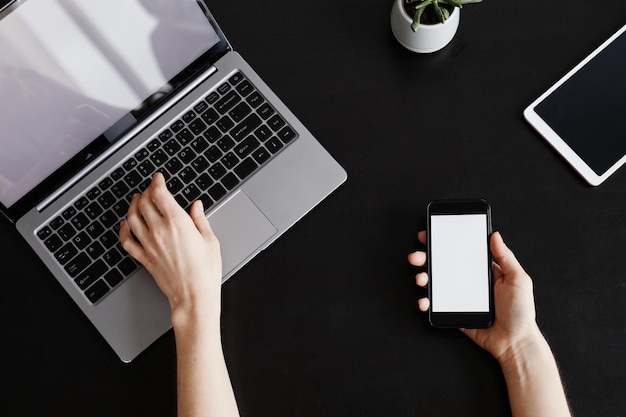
x: 194, y: 316
x: 520, y: 355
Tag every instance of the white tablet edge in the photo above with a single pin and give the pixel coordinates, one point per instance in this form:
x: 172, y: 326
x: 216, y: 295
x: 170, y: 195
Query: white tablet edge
x: 555, y: 140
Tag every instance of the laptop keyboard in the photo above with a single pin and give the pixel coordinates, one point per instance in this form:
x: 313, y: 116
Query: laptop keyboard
x: 207, y: 152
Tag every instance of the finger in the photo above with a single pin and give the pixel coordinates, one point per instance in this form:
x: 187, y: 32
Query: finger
x: 162, y: 198
x: 504, y: 257
x: 421, y: 279
x: 200, y: 220
x: 135, y: 220
x: 421, y: 236
x: 417, y: 258
x: 423, y: 304
x: 129, y: 244
x: 148, y: 210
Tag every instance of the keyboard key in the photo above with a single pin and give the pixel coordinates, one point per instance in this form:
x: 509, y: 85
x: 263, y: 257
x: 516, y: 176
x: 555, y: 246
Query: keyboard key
x: 287, y: 134
x: 133, y: 179
x: 172, y: 146
x: 230, y: 181
x: 245, y: 168
x: 225, y: 143
x: 158, y: 158
x: 181, y: 201
x: 113, y: 277
x: 120, y: 208
x: 81, y: 241
x: 255, y: 99
x: 107, y: 199
x: 265, y: 111
x: 213, y: 153
x: 66, y: 232
x: 217, y: 171
x: 236, y: 78
x: 189, y: 116
x: 247, y: 126
x: 229, y: 160
x: 173, y: 165
x: 212, y: 98
x: 112, y: 257
x: 227, y: 102
x: 109, y: 239
x: 186, y: 155
x: 204, y: 181
x: 201, y: 107
x: 263, y: 133
x: 274, y: 145
x: 120, y: 189
x: 69, y: 212
x: 240, y: 111
x: 185, y: 136
x: 95, y: 250
x: 212, y: 134
x: 246, y: 146
x: 199, y: 144
x: 93, y: 193
x: 67, y: 252
x: 217, y: 191
x: 93, y: 210
x: 94, y: 230
x: 223, y: 88
x: 105, y: 183
x: 200, y: 164
x: 142, y: 154
x: 177, y: 126
x: 76, y: 265
x: 146, y: 168
x: 81, y: 203
x: 53, y: 243
x: 80, y: 221
x: 165, y: 135
x: 225, y: 124
x: 127, y: 266
x: 129, y: 164
x: 44, y: 233
x: 261, y: 155
x: 245, y: 88
x: 97, y: 291
x: 191, y: 192
x: 210, y: 116
x: 197, y: 126
x: 91, y: 274
x: 187, y: 175
x: 153, y: 145
x: 276, y: 122
x: 57, y: 222
x: 174, y: 185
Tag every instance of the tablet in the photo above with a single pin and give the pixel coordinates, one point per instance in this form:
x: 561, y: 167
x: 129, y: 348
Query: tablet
x: 583, y: 115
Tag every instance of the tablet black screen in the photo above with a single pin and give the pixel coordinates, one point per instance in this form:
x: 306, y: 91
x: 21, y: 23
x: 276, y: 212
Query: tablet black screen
x: 588, y: 111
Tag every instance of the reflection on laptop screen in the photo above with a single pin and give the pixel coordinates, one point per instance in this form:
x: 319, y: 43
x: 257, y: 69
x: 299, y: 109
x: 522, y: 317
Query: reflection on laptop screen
x: 70, y: 69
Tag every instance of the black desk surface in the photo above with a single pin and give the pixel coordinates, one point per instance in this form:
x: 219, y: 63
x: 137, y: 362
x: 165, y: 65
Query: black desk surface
x: 324, y: 323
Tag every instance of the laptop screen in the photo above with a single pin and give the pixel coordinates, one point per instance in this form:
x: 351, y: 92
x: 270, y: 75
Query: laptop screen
x: 75, y: 74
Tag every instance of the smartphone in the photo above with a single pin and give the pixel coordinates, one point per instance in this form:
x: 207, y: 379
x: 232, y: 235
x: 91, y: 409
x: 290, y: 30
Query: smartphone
x: 460, y: 285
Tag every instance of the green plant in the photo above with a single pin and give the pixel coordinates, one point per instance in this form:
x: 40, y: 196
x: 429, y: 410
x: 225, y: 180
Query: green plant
x: 435, y: 11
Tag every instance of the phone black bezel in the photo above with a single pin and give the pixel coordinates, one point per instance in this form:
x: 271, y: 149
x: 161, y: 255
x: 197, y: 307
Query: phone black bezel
x: 461, y: 319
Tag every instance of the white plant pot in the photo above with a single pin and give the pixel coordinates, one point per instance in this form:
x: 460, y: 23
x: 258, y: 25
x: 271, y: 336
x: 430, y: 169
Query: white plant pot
x: 427, y: 38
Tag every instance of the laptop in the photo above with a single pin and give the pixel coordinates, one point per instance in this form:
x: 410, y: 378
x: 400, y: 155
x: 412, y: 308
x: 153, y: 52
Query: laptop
x: 96, y: 97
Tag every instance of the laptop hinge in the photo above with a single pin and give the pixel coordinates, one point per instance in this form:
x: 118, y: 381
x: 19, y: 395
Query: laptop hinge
x: 124, y: 140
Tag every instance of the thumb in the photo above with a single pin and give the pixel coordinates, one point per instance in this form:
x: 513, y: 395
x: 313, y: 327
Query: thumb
x: 199, y: 219
x: 504, y: 256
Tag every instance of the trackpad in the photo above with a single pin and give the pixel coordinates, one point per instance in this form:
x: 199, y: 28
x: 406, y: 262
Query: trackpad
x: 241, y: 229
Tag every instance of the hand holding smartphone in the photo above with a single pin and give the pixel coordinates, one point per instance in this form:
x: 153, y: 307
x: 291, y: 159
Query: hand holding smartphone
x: 459, y: 264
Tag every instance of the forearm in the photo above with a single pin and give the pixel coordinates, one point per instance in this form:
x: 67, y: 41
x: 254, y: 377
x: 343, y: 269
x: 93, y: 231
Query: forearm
x: 204, y: 387
x: 533, y: 381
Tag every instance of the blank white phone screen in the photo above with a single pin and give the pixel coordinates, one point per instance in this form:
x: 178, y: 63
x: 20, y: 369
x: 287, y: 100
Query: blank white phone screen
x: 459, y: 263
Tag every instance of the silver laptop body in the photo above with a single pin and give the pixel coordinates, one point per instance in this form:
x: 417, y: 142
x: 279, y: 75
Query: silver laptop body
x: 133, y: 312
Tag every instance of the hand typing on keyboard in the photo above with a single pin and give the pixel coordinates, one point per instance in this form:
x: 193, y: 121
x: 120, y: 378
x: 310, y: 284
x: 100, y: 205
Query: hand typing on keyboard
x: 183, y: 255
x: 178, y: 249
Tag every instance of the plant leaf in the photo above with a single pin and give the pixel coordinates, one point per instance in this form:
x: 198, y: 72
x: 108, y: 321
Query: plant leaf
x: 416, y: 19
